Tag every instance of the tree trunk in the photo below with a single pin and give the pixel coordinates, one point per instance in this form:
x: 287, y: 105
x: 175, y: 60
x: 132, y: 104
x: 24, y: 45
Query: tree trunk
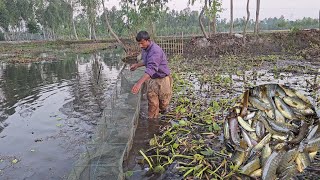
x: 231, y: 17
x: 110, y: 28
x: 256, y: 28
x: 73, y: 24
x: 93, y: 29
x: 200, y: 20
x: 89, y: 29
x: 246, y: 23
x: 214, y: 20
x: 154, y: 32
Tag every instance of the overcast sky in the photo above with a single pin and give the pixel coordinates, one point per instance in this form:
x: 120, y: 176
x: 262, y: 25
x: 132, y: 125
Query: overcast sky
x: 291, y: 9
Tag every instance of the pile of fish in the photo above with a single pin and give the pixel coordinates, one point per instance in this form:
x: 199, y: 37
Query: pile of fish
x: 272, y: 133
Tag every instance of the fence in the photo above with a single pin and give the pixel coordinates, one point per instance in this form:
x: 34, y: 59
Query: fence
x: 171, y: 45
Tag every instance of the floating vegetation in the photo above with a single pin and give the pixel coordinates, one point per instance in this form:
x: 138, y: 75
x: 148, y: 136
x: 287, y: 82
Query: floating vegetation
x: 191, y: 144
x: 272, y: 130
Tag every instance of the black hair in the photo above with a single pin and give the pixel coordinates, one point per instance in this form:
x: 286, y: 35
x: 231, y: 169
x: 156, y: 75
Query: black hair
x: 142, y: 35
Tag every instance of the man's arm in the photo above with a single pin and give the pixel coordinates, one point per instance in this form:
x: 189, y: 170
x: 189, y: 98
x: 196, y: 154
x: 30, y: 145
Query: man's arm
x: 137, y: 86
x: 136, y: 65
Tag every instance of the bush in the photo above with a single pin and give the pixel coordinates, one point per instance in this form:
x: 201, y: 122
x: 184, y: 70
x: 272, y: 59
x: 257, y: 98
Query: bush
x: 33, y: 27
x: 2, y: 36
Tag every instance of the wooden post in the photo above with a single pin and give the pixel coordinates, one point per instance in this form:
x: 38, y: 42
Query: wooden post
x: 182, y: 42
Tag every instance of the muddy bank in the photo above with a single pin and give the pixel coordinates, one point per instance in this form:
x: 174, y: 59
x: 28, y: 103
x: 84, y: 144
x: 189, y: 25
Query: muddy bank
x: 302, y: 43
x: 35, y: 51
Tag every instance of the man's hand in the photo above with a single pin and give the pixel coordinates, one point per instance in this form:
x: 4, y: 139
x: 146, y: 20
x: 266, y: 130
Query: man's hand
x: 135, y: 89
x: 133, y: 67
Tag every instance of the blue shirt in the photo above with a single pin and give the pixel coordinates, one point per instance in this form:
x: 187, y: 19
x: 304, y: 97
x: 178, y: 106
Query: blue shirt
x: 155, y: 61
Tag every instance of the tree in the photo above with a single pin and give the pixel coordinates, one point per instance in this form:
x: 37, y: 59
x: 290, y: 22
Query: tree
x: 72, y: 4
x: 231, y: 17
x: 143, y: 14
x: 200, y: 19
x: 33, y: 27
x: 90, y: 7
x: 246, y: 23
x: 256, y: 29
x: 4, y: 16
x: 110, y: 28
x: 211, y: 10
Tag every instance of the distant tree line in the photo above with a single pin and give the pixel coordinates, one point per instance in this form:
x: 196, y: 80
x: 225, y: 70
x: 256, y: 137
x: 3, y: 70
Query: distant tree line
x: 89, y: 19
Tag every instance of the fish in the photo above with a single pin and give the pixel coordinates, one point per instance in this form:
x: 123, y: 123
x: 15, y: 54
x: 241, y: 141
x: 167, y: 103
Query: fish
x: 271, y: 90
x: 266, y: 152
x: 303, y: 97
x: 288, y: 158
x: 249, y: 116
x: 246, y: 138
x: 313, y: 145
x: 270, y: 167
x: 289, y: 172
x: 304, y: 112
x: 251, y: 166
x: 262, y: 143
x: 278, y: 137
x: 287, y: 90
x: 312, y: 132
x: 280, y: 146
x: 226, y: 130
x: 312, y: 155
x: 254, y: 136
x: 295, y: 102
x: 303, y: 161
x: 234, y: 127
x: 270, y: 113
x: 281, y: 127
x: 280, y: 92
x: 279, y: 117
x: 260, y: 130
x: 303, y: 130
x: 259, y: 104
x: 244, y: 109
x: 245, y: 125
x: 269, y: 128
x: 238, y: 158
x: 284, y: 109
x: 256, y: 173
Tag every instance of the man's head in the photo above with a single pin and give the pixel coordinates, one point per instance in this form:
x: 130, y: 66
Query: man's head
x: 143, y: 39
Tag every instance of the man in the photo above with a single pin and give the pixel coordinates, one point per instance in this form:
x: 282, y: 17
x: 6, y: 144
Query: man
x: 157, y: 75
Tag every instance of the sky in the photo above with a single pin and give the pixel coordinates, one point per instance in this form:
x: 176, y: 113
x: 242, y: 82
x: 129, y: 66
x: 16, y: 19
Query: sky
x: 291, y: 9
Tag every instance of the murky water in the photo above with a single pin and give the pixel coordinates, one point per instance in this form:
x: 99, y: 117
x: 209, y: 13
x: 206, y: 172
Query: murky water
x: 49, y: 110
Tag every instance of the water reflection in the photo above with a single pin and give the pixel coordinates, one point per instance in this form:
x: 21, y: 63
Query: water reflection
x: 48, y: 110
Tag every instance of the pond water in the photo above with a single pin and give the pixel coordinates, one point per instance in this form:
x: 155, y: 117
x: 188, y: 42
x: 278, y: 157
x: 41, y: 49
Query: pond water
x: 49, y: 111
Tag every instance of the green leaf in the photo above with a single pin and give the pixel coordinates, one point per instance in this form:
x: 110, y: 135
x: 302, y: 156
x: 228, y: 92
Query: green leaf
x: 175, y: 145
x: 216, y: 127
x: 182, y: 123
x: 129, y: 173
x: 183, y: 110
x: 14, y: 161
x: 159, y: 169
x: 59, y: 125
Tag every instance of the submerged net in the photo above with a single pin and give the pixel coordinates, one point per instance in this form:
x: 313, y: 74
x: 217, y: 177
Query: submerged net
x: 105, y: 153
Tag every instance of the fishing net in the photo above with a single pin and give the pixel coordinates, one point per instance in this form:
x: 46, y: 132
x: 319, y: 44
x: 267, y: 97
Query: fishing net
x: 105, y: 153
